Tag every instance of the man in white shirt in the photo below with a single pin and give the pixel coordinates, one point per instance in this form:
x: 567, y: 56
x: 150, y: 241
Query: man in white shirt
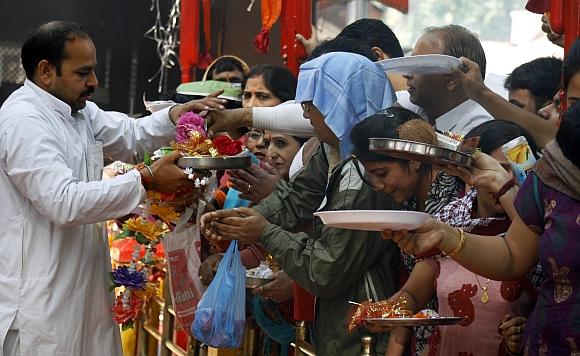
x: 440, y: 95
x: 54, y: 259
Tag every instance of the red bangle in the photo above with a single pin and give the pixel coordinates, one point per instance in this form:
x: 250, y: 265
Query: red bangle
x: 504, y: 189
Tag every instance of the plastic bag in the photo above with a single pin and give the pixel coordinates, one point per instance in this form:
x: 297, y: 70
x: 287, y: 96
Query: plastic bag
x: 221, y: 312
x: 182, y: 248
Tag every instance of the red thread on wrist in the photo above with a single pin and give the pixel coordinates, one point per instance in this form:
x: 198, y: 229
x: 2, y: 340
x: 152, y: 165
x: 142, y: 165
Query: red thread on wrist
x: 504, y: 189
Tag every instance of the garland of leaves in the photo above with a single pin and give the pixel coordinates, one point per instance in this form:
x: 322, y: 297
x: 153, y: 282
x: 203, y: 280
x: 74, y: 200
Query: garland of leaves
x: 159, y: 217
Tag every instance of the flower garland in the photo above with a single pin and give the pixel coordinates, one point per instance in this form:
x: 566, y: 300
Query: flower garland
x: 158, y: 217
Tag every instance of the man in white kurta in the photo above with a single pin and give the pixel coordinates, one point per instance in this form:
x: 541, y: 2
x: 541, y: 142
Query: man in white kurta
x: 54, y: 258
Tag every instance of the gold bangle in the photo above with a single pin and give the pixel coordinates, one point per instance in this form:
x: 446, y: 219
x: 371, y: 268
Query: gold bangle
x: 460, y: 244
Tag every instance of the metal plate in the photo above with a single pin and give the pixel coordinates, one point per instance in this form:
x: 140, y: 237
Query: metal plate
x: 378, y: 322
x: 420, y: 152
x: 215, y: 163
x: 253, y: 282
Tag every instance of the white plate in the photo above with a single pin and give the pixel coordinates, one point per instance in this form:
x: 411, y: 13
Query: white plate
x: 421, y: 64
x: 373, y: 220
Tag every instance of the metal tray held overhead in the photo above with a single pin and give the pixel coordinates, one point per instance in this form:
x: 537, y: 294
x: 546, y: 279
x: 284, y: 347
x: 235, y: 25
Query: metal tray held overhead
x: 420, y: 152
x: 215, y: 163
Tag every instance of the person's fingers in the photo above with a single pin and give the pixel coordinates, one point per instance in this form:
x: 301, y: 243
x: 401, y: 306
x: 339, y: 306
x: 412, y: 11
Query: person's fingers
x: 246, y: 212
x: 234, y: 221
x: 172, y: 157
x: 255, y: 170
x: 511, y: 322
x: 257, y: 290
x: 239, y: 184
x: 301, y: 39
x: 227, y: 231
x: 268, y: 168
x: 249, y: 174
x: 215, y: 94
x: 387, y: 234
x: 223, y: 213
x: 407, y: 243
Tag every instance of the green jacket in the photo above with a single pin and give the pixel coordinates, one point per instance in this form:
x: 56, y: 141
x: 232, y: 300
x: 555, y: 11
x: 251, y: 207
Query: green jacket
x: 333, y: 263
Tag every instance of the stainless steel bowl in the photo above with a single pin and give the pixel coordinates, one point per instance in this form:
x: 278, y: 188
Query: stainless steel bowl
x: 420, y: 152
x: 215, y: 163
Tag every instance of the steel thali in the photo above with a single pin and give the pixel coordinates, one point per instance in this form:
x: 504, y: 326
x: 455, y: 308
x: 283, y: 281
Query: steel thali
x: 381, y: 322
x: 420, y: 152
x: 215, y: 163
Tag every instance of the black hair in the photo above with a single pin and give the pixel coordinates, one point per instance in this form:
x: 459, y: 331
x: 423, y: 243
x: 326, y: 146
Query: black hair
x: 226, y: 64
x: 460, y: 42
x: 540, y: 76
x: 384, y: 123
x: 571, y: 63
x: 47, y: 42
x: 278, y: 79
x: 374, y: 33
x: 343, y: 44
x: 496, y: 133
x: 569, y: 132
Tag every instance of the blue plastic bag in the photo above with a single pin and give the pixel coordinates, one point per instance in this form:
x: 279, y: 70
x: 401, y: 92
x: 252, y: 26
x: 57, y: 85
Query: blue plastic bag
x: 221, y: 312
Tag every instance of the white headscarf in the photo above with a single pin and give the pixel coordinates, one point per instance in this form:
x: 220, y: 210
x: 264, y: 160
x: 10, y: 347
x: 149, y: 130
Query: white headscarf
x: 346, y: 88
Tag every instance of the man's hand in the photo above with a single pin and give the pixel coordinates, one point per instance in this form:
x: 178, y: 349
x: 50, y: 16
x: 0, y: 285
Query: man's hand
x: 255, y: 183
x: 553, y: 37
x: 210, y: 102
x: 470, y: 79
x: 279, y: 290
x: 226, y: 120
x: 242, y: 224
x: 167, y: 176
x: 311, y: 43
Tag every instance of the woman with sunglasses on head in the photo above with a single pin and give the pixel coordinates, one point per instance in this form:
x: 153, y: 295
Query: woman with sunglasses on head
x: 545, y: 228
x: 484, y: 303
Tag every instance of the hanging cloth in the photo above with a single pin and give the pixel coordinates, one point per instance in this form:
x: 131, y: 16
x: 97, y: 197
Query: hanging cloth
x: 270, y: 11
x: 205, y: 57
x: 188, y: 38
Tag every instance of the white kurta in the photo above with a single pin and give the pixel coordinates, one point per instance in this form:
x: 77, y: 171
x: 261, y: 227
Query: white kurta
x: 54, y: 254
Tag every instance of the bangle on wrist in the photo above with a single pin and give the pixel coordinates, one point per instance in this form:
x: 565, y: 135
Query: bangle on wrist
x: 459, y: 246
x: 510, y: 353
x: 148, y: 180
x: 504, y: 189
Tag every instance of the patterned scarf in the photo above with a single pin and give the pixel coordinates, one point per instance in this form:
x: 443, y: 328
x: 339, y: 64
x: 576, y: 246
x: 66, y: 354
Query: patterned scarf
x: 558, y: 172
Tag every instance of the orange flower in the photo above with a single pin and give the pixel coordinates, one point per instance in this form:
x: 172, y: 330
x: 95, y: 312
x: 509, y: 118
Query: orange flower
x: 165, y: 213
x: 149, y: 229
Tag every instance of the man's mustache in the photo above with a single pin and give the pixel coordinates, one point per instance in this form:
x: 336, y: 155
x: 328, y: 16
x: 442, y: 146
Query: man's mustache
x: 88, y: 92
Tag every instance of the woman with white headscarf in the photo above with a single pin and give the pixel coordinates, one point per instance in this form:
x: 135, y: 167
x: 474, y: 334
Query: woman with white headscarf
x: 337, y: 90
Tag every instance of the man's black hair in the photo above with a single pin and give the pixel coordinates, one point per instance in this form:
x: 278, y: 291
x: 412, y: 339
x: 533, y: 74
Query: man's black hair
x: 568, y: 133
x: 540, y: 76
x: 374, y: 33
x: 343, y: 44
x: 226, y: 64
x: 571, y: 63
x: 47, y: 42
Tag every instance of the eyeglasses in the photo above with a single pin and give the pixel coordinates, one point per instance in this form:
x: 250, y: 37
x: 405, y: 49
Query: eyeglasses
x: 306, y: 106
x: 255, y: 135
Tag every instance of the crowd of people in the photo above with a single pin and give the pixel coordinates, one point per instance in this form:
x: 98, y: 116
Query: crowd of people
x: 498, y: 253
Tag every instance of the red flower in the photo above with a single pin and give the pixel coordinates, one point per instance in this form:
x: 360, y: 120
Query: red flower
x: 123, y: 315
x: 226, y: 146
